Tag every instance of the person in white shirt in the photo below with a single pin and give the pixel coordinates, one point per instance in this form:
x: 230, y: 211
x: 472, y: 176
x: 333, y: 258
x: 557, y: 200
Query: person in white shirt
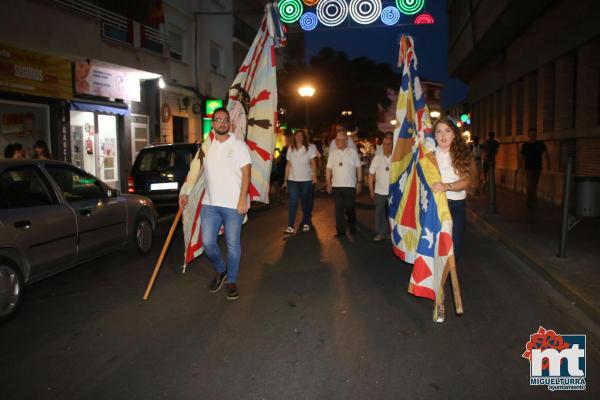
x: 344, y: 182
x: 340, y: 129
x: 300, y: 176
x: 225, y: 201
x: 454, y: 160
x: 379, y: 186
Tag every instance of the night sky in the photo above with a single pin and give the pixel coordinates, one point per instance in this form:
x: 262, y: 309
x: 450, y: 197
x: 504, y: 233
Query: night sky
x: 380, y: 43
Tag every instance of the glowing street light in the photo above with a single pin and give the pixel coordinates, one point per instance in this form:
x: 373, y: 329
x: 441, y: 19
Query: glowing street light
x: 435, y: 114
x: 393, y: 122
x: 347, y: 112
x: 306, y: 91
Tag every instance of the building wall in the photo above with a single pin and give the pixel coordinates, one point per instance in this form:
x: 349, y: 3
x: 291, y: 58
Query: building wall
x: 548, y: 78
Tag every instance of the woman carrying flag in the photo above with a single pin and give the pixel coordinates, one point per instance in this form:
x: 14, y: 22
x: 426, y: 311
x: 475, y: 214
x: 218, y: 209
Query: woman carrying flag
x: 454, y: 160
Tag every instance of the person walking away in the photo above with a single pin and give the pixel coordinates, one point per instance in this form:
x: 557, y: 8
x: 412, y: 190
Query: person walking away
x: 379, y: 186
x: 344, y: 182
x: 225, y: 201
x: 455, y: 162
x: 300, y: 176
x: 490, y: 150
x: 476, y: 149
x: 531, y: 161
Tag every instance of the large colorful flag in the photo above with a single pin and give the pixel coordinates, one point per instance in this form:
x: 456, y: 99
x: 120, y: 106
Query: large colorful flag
x: 253, y: 111
x: 253, y: 102
x: 420, y: 219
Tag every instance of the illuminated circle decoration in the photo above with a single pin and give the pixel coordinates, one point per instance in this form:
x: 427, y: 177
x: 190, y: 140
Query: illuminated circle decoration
x: 410, y: 7
x: 310, y: 2
x: 290, y: 11
x: 365, y: 11
x: 390, y: 15
x: 332, y: 12
x: 308, y: 21
x: 424, y: 19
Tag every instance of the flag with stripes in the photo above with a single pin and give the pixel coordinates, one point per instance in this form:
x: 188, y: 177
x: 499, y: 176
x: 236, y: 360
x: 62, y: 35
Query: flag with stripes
x: 253, y: 111
x: 253, y: 102
x: 420, y: 219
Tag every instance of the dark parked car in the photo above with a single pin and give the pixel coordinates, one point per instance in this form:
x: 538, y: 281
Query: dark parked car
x: 54, y: 216
x: 160, y: 170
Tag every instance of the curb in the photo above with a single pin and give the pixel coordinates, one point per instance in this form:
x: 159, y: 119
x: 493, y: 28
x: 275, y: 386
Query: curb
x: 538, y: 265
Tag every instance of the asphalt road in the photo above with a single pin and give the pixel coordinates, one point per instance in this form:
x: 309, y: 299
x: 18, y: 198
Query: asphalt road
x: 318, y: 318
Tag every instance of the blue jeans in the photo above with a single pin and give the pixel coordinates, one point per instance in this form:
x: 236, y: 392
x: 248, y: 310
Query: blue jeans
x: 303, y: 191
x: 212, y: 219
x: 459, y: 220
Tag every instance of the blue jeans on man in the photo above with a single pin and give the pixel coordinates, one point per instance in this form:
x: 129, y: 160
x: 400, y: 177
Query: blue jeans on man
x: 300, y: 191
x: 213, y: 217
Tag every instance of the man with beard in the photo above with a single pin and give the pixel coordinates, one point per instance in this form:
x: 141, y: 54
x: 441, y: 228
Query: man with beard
x: 225, y: 201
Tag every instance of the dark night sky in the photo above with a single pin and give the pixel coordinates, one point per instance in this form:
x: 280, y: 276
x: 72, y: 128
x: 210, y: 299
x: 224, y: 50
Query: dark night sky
x: 380, y: 43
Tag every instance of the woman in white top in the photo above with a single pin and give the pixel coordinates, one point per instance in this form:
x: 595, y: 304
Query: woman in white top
x: 454, y: 159
x: 300, y: 176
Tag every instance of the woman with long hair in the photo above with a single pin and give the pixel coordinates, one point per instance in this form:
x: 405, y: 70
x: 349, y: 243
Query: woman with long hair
x: 454, y: 160
x: 41, y: 151
x: 300, y: 176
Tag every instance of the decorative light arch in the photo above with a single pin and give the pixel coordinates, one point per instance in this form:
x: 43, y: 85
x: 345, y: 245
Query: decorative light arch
x: 424, y: 19
x: 308, y: 21
x: 390, y: 16
x: 290, y: 10
x: 365, y: 11
x: 410, y: 7
x: 332, y: 12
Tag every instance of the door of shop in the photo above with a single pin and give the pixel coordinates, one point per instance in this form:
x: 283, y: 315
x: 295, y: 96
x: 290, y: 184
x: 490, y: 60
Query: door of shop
x: 180, y: 130
x: 139, y: 134
x: 94, y: 145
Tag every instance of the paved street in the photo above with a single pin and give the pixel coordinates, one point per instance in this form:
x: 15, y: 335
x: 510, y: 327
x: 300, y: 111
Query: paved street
x: 318, y: 318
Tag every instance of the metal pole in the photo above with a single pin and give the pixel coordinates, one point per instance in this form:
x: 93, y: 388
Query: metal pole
x: 307, y: 114
x: 564, y: 226
x: 492, y: 188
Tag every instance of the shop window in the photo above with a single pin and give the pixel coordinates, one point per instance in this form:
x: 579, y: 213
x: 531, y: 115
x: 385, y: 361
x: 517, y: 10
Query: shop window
x: 216, y: 58
x: 24, y: 187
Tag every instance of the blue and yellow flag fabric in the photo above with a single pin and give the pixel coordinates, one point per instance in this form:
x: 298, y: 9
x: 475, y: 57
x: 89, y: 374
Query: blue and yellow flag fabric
x: 420, y: 219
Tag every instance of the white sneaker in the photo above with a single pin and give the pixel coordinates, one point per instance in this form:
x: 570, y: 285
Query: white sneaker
x: 305, y: 228
x: 289, y: 230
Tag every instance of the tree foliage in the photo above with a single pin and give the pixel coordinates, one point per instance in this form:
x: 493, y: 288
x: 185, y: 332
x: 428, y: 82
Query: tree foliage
x: 358, y: 85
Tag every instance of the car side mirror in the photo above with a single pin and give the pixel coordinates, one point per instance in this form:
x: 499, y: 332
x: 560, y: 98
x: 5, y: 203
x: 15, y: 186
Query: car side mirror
x: 112, y: 193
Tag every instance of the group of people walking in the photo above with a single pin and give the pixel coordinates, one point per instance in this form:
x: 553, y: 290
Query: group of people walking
x: 227, y: 172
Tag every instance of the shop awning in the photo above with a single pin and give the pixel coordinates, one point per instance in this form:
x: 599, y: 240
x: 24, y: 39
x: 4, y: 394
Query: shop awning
x: 81, y: 106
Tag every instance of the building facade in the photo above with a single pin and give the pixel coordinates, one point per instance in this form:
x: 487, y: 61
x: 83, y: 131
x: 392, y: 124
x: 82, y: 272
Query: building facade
x: 532, y: 64
x: 98, y: 80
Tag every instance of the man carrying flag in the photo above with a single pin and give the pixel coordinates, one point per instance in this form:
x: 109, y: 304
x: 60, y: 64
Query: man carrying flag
x: 225, y: 201
x: 418, y: 211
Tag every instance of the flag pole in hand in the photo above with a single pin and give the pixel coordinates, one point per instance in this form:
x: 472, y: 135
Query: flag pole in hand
x: 162, y: 254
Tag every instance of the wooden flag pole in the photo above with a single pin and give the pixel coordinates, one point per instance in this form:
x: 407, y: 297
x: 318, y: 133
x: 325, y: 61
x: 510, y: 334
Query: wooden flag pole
x: 456, y: 289
x: 162, y: 254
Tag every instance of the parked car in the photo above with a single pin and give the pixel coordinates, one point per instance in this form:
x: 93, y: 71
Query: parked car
x: 160, y: 170
x: 54, y: 216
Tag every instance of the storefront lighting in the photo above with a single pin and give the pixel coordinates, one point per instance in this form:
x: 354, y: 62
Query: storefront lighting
x: 161, y: 83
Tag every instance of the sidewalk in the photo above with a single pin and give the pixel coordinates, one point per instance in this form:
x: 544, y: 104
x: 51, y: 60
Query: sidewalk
x: 534, y: 235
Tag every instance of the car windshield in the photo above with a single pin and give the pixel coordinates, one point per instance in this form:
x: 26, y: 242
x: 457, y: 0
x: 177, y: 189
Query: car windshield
x: 165, y: 159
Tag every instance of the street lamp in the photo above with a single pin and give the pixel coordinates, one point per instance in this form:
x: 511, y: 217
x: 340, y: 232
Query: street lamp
x: 435, y: 114
x: 393, y: 122
x: 306, y: 92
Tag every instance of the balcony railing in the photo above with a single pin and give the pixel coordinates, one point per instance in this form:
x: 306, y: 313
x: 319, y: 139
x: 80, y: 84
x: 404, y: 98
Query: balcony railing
x: 119, y: 28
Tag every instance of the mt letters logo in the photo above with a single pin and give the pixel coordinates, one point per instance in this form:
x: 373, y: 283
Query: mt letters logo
x: 556, y: 361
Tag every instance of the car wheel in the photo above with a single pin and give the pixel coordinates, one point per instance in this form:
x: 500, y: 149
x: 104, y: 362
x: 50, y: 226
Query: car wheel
x: 143, y: 235
x: 11, y: 290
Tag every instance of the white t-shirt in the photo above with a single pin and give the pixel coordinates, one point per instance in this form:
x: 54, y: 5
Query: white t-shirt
x: 380, y: 167
x: 299, y: 160
x: 222, y: 168
x: 449, y: 175
x: 343, y: 175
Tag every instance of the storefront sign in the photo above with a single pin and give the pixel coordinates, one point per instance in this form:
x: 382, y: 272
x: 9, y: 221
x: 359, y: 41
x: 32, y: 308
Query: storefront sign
x: 26, y: 72
x: 105, y: 82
